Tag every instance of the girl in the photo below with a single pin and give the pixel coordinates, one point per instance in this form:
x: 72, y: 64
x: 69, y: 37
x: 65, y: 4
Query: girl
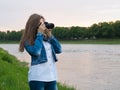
x: 42, y: 46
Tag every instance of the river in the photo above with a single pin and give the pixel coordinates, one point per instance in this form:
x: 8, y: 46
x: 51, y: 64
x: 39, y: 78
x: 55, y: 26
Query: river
x: 84, y: 66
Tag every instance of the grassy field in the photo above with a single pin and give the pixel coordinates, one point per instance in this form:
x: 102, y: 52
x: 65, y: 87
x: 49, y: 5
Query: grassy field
x: 9, y: 42
x: 13, y: 73
x: 98, y: 41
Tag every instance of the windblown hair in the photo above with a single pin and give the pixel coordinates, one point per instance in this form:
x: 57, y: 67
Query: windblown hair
x: 30, y: 31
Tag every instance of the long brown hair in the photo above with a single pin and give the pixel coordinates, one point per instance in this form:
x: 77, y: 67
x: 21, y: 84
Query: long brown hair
x: 30, y: 31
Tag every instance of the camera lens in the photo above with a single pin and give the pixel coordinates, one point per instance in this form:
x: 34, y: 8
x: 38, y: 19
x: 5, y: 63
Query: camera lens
x: 49, y: 25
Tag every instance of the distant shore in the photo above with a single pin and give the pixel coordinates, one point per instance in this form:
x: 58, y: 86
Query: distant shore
x: 97, y: 41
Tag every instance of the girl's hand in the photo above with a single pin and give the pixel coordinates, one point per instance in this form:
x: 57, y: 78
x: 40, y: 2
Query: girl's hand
x: 41, y: 29
x: 48, y: 33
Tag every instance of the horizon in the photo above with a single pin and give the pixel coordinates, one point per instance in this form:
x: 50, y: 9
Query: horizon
x: 14, y: 14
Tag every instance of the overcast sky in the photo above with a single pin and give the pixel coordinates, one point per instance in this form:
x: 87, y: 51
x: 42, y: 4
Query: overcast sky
x: 15, y: 13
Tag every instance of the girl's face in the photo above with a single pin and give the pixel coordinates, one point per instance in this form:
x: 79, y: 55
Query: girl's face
x: 42, y: 25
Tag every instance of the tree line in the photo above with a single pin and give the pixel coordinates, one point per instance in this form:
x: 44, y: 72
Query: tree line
x: 107, y: 30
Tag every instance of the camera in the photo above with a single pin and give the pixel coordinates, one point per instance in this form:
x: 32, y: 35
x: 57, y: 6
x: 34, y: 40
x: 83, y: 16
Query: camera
x: 49, y: 25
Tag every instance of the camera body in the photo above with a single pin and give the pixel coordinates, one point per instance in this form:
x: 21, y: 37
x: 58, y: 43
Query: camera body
x: 49, y: 25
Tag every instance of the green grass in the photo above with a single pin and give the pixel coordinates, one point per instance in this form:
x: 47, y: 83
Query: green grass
x: 98, y: 41
x: 13, y: 73
x: 8, y: 42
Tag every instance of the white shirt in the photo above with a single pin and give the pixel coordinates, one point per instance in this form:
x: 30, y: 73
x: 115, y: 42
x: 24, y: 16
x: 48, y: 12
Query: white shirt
x: 45, y: 71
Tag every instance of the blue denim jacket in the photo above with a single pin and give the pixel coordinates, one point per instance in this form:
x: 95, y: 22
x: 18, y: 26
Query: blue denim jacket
x: 37, y: 51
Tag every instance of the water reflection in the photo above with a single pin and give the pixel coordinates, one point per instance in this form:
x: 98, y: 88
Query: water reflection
x: 87, y: 67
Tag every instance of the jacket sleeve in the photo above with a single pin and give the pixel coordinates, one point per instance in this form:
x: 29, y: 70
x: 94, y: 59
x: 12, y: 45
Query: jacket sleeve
x: 56, y: 45
x: 35, y: 50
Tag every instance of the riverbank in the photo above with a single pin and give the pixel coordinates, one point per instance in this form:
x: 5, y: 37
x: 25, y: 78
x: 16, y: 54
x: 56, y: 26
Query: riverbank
x: 98, y: 41
x: 13, y: 73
